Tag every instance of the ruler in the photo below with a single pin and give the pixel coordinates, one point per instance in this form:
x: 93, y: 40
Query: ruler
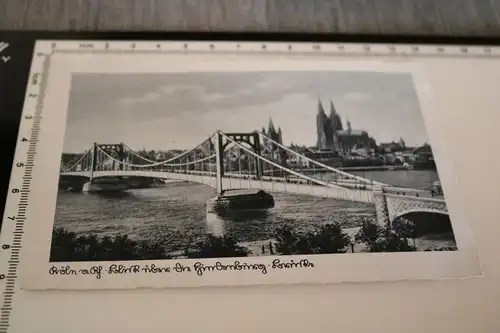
x: 348, y: 49
x: 18, y: 198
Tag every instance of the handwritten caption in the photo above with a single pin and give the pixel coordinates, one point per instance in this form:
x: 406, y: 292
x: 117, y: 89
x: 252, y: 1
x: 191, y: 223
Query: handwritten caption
x: 198, y: 268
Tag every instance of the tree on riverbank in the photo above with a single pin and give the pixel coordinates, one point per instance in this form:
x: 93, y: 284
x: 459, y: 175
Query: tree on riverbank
x: 218, y: 247
x: 69, y: 246
x: 388, y: 238
x: 328, y: 238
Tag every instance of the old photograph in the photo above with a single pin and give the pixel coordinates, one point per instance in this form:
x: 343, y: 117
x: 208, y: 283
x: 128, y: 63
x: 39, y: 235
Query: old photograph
x: 245, y: 164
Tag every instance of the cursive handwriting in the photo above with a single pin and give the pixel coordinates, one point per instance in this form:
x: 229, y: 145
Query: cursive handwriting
x: 303, y: 263
x: 200, y: 268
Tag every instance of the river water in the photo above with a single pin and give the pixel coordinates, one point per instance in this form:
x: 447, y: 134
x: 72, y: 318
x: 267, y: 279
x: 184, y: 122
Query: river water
x: 175, y: 214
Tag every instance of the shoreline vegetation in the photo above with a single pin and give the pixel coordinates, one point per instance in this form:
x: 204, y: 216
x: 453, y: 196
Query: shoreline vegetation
x: 400, y: 236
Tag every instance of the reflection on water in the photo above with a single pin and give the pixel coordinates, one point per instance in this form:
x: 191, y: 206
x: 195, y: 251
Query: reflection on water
x: 215, y: 225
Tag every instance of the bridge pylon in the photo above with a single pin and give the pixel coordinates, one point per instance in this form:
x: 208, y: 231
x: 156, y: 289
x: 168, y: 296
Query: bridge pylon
x: 250, y: 139
x: 94, y: 157
x: 219, y: 161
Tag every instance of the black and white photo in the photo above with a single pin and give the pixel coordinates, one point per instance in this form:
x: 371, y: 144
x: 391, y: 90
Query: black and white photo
x: 179, y: 169
x: 243, y: 164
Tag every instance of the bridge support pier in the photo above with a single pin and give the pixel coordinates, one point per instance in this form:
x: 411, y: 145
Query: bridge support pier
x: 381, y: 207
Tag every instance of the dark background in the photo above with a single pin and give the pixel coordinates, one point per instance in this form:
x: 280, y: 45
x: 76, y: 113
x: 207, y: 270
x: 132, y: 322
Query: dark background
x: 404, y: 17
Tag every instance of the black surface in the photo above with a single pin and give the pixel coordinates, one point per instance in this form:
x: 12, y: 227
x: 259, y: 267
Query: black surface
x: 14, y: 73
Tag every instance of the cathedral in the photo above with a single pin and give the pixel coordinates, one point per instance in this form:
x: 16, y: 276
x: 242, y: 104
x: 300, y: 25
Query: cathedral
x: 268, y: 147
x: 272, y: 133
x: 333, y: 137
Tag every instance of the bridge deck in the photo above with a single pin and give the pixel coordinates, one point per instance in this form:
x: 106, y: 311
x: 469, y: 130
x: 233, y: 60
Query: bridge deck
x: 331, y: 191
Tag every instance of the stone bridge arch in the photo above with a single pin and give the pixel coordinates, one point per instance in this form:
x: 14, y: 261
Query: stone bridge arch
x: 390, y: 206
x: 419, y: 210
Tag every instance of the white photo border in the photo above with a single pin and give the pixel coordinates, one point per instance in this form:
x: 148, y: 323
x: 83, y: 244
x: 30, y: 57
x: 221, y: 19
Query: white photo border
x: 328, y: 268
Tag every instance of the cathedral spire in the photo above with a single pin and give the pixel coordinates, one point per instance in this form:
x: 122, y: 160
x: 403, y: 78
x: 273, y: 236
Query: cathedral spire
x: 320, y: 107
x: 271, y: 125
x: 332, y: 108
x: 335, y: 119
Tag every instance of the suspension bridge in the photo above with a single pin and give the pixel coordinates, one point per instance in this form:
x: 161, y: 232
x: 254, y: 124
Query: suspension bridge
x: 227, y: 161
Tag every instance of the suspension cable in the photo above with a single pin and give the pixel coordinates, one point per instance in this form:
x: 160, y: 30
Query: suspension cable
x: 346, y: 174
x: 79, y: 160
x: 155, y: 164
x: 319, y: 182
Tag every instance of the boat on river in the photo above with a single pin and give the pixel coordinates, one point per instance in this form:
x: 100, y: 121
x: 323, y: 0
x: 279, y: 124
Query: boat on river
x: 241, y: 200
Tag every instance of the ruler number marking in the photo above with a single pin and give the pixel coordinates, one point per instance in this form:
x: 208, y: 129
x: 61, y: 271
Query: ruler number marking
x: 21, y: 192
x: 86, y: 45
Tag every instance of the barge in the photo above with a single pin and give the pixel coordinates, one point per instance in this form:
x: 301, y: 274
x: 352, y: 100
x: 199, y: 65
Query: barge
x: 240, y: 200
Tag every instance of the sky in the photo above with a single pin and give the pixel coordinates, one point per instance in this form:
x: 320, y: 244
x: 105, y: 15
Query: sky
x: 180, y: 110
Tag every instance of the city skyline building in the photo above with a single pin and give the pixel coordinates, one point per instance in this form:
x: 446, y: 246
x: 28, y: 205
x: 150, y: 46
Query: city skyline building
x: 331, y: 135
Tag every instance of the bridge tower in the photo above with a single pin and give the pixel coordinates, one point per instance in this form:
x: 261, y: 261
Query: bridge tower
x: 219, y: 161
x: 115, y: 150
x: 93, y: 164
x: 250, y: 139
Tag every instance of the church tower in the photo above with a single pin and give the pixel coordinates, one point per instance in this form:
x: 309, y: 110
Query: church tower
x: 335, y: 118
x: 336, y: 124
x: 321, y: 122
